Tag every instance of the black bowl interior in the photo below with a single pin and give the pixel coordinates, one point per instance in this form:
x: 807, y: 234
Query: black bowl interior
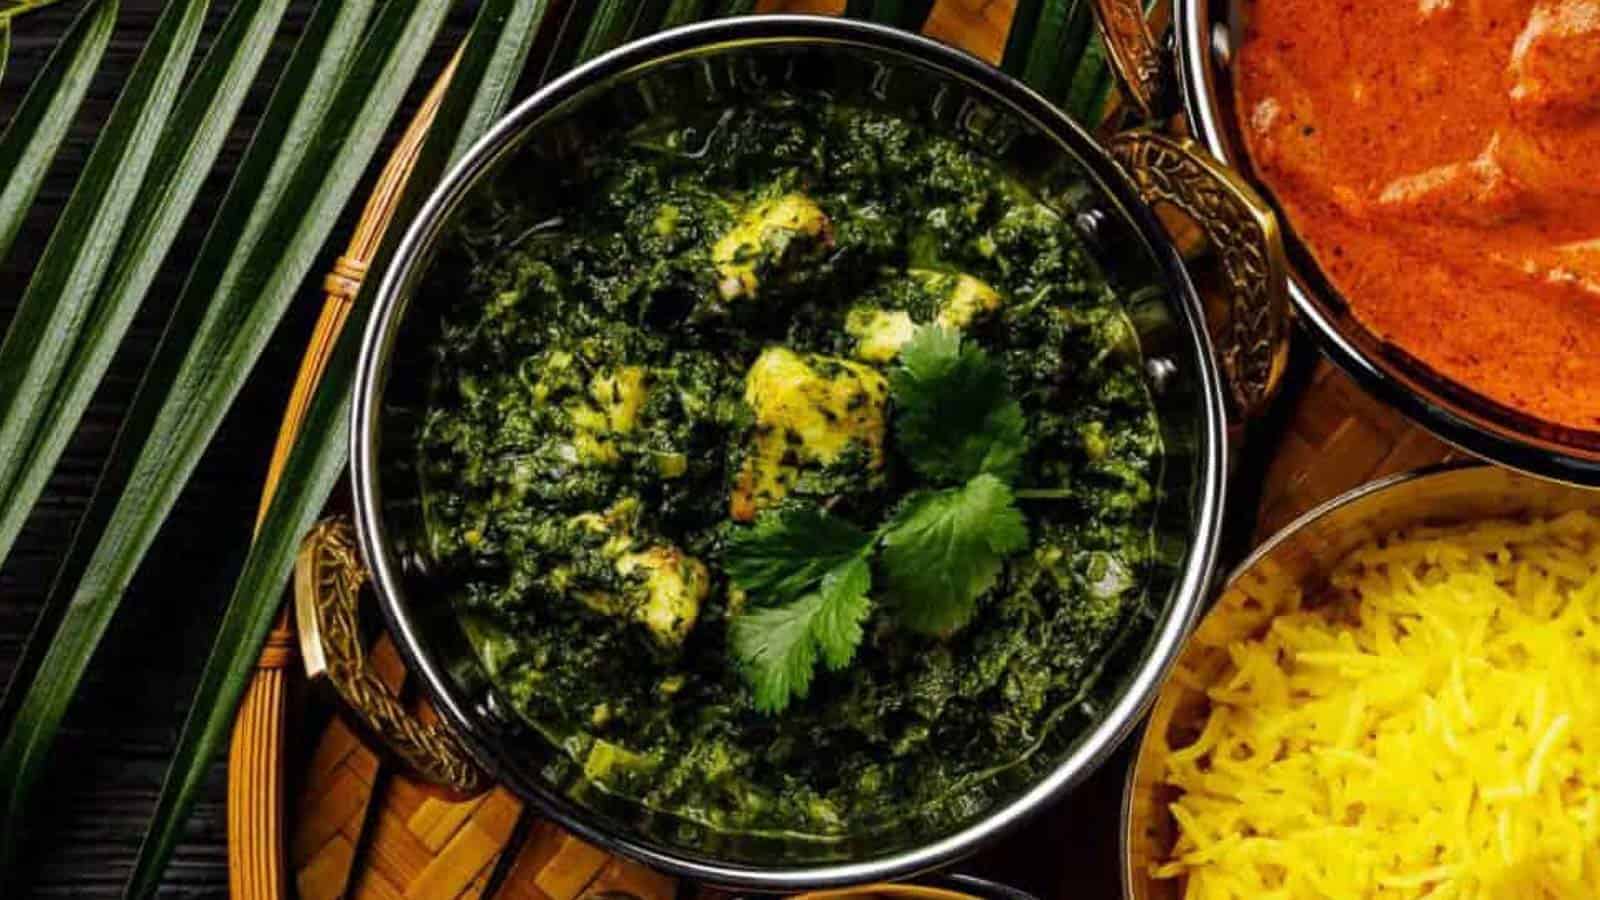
x: 1209, y: 33
x: 1064, y: 167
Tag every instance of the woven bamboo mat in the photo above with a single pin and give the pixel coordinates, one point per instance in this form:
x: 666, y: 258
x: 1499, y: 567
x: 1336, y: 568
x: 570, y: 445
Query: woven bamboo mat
x: 1337, y: 437
x: 360, y: 831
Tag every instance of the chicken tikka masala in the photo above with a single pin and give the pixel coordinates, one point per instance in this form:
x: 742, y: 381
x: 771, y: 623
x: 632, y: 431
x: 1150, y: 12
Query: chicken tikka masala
x: 1441, y: 158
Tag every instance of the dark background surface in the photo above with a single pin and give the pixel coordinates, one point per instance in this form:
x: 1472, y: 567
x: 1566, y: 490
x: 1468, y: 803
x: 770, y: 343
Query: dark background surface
x: 106, y: 768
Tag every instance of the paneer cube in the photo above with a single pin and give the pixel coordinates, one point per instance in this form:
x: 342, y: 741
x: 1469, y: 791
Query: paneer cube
x: 953, y: 300
x: 810, y: 411
x: 879, y: 333
x: 768, y: 237
x: 673, y: 586
x: 662, y: 587
x: 967, y: 300
x: 611, y: 408
x: 620, y: 394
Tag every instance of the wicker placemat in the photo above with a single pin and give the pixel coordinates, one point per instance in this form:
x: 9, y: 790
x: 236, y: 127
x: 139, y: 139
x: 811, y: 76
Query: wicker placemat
x: 1337, y: 437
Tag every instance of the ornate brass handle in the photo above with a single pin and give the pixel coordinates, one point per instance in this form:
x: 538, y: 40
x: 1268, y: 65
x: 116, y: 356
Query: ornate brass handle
x: 328, y: 576
x: 1248, y: 321
x: 1135, y: 56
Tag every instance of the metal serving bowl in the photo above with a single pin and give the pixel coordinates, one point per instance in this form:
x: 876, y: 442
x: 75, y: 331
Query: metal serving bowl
x: 479, y: 740
x: 1302, y: 554
x: 1207, y: 36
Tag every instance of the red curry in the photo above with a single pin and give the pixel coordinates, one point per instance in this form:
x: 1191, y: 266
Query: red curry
x: 1442, y: 160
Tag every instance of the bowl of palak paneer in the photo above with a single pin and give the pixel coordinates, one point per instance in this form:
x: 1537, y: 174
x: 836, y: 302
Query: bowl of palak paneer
x: 787, y: 453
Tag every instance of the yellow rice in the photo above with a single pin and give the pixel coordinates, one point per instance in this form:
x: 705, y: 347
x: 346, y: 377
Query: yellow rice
x: 1431, y: 728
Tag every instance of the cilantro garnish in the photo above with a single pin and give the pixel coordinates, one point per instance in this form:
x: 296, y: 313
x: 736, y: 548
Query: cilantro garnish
x: 955, y: 417
x: 808, y: 572
x: 778, y: 645
x: 790, y: 550
x: 943, y: 549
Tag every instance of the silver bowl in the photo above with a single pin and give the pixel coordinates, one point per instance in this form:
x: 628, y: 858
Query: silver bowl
x: 479, y: 740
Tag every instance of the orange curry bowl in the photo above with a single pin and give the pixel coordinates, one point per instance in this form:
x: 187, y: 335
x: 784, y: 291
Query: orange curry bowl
x: 1436, y: 168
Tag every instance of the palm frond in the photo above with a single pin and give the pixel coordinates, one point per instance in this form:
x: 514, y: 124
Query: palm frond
x: 41, y: 122
x: 1046, y: 42
x: 56, y: 302
x: 590, y: 27
x: 682, y: 12
x: 613, y: 21
x: 567, y: 32
x: 491, y: 58
x: 298, y: 103
x: 215, y: 362
x: 1091, y: 85
x: 59, y: 295
x: 738, y: 7
x: 189, y: 146
x: 10, y: 9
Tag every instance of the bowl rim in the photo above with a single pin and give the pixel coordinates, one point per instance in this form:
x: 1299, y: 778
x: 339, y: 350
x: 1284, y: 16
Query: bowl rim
x: 1189, y: 584
x: 1473, y: 422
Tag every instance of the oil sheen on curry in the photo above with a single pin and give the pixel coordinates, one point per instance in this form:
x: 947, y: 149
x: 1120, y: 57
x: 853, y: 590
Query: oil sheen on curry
x: 1442, y: 160
x: 795, y: 468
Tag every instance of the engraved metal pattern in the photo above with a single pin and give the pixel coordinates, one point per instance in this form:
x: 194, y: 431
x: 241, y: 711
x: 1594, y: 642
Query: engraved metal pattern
x: 1135, y: 56
x: 328, y: 580
x: 1250, y: 328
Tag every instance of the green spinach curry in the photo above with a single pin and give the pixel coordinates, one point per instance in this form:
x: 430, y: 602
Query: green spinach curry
x: 795, y: 471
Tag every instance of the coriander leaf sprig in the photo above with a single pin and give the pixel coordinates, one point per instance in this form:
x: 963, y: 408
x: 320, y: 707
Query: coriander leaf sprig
x: 955, y: 417
x: 778, y: 646
x: 941, y: 550
x: 788, y: 552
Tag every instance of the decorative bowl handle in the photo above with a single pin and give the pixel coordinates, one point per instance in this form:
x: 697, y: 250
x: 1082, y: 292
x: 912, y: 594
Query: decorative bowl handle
x: 328, y: 577
x: 1248, y: 319
x: 1136, y: 58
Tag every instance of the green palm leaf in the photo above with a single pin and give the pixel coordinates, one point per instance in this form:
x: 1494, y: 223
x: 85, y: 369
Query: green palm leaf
x: 1046, y: 43
x: 682, y: 12
x: 738, y: 7
x: 38, y: 345
x: 5, y: 48
x: 910, y: 15
x: 258, y: 284
x: 588, y: 29
x: 490, y: 61
x: 301, y: 97
x: 46, y: 113
x: 10, y: 9
x: 618, y: 21
x: 58, y: 298
x: 189, y: 145
x: 1091, y: 85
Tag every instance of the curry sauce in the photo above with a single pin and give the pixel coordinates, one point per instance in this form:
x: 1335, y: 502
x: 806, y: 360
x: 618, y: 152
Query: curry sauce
x: 1441, y: 158
x: 647, y: 350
